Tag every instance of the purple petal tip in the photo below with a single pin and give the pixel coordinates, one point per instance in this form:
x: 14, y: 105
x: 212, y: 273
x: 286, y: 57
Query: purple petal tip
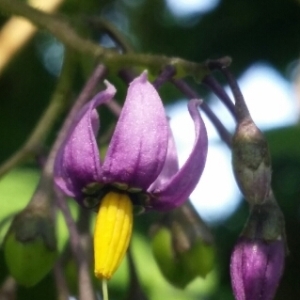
x: 143, y: 78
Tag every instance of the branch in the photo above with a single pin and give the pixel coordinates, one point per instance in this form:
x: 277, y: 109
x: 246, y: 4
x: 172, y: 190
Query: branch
x: 189, y: 92
x: 60, y: 281
x: 84, y: 281
x: 61, y: 29
x: 56, y: 106
x: 17, y: 31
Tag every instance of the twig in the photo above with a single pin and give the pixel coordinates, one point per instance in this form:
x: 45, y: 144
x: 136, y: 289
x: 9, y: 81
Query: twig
x: 17, y: 31
x: 84, y: 96
x: 60, y: 28
x: 85, y: 285
x: 167, y: 73
x: 215, y: 87
x: 8, y: 289
x: 112, y: 31
x: 56, y: 106
x: 60, y: 281
x: 84, y: 280
x: 241, y: 109
x: 114, y: 106
x: 189, y: 92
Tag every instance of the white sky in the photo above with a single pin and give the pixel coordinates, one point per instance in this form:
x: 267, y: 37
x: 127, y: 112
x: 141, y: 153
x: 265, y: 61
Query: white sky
x: 186, y: 7
x: 271, y: 103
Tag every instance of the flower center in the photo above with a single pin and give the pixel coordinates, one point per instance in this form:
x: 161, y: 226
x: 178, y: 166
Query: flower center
x: 112, y: 232
x: 95, y: 192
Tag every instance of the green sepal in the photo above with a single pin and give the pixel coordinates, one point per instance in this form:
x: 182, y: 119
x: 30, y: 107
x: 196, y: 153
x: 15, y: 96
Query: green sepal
x: 30, y: 245
x: 181, y: 268
x: 170, y: 266
x: 199, y: 260
x: 28, y: 262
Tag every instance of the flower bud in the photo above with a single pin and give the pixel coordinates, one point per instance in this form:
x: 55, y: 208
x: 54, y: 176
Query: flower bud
x: 257, y: 261
x: 250, y: 153
x: 251, y: 161
x: 183, y: 246
x: 256, y: 268
x: 30, y: 246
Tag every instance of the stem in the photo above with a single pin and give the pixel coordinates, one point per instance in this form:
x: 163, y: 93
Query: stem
x: 85, y: 285
x: 47, y: 120
x: 84, y: 280
x: 241, y: 109
x: 104, y: 289
x: 112, y: 31
x: 8, y: 289
x: 43, y: 197
x: 217, y: 89
x: 16, y: 32
x: 60, y: 281
x: 115, y: 107
x: 60, y: 28
x: 84, y: 96
x: 166, y: 75
x: 189, y: 92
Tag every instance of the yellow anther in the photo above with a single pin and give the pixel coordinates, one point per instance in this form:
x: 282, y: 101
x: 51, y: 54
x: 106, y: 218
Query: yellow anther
x: 112, y: 233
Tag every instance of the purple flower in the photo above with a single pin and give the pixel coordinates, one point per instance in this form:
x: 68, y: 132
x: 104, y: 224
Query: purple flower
x: 141, y: 159
x: 140, y: 167
x: 256, y: 268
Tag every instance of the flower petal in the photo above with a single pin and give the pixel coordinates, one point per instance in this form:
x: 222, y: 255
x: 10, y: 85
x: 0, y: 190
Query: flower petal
x: 170, y: 167
x: 181, y: 185
x: 78, y: 163
x: 137, y: 151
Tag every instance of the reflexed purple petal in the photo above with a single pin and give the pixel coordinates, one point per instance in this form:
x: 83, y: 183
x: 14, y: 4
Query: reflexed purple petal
x: 78, y: 162
x: 170, y: 167
x: 181, y: 185
x: 137, y: 151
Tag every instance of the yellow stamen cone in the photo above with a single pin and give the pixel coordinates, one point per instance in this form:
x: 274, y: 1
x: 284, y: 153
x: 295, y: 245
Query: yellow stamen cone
x: 112, y: 233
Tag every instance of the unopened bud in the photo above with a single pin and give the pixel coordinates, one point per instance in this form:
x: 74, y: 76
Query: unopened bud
x: 30, y: 246
x: 183, y: 246
x: 250, y: 153
x: 256, y: 268
x: 169, y: 265
x: 251, y: 161
x: 257, y: 261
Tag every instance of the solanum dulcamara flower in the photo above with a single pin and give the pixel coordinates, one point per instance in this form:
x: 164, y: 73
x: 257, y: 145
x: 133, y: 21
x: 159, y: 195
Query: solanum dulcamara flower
x: 140, y: 167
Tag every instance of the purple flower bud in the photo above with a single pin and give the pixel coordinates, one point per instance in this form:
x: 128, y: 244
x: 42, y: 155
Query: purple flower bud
x: 250, y: 152
x: 251, y: 161
x: 256, y: 268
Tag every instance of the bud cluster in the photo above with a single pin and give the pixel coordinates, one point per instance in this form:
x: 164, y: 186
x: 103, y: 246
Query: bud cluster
x: 257, y: 261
